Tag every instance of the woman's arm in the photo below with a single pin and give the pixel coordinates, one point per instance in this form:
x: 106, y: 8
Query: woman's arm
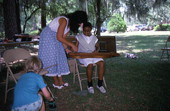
x: 60, y: 34
x: 66, y: 48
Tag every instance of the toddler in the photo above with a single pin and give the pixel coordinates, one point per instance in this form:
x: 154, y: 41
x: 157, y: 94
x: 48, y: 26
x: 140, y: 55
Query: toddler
x: 26, y: 92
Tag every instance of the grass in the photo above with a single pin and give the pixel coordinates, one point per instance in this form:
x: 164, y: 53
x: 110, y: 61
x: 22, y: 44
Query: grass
x: 141, y: 84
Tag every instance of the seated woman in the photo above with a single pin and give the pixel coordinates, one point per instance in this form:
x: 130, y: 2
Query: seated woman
x: 87, y: 43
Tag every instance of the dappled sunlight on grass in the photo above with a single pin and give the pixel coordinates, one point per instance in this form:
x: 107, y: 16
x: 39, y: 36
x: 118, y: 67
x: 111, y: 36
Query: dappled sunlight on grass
x: 122, y: 51
x: 141, y: 50
x: 140, y: 84
x: 156, y: 57
x: 134, y: 50
x: 130, y: 46
x: 138, y: 33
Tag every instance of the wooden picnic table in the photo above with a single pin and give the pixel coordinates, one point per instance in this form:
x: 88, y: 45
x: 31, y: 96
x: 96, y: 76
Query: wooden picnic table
x: 26, y: 37
x: 16, y: 44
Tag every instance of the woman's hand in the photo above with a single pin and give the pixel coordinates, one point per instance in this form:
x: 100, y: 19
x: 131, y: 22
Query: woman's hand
x: 74, y: 48
x: 68, y: 51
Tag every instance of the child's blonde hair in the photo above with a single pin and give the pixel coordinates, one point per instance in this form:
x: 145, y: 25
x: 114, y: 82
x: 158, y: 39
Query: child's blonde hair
x: 33, y: 64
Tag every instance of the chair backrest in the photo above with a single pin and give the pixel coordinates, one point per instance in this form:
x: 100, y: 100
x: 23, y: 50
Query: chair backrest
x: 12, y: 57
x: 15, y: 54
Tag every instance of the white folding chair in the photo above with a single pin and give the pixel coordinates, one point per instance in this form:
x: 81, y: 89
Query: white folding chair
x: 76, y: 69
x: 165, y: 51
x: 13, y: 57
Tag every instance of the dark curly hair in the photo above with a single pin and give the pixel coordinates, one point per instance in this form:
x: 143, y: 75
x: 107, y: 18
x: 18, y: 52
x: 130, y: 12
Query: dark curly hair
x: 87, y: 24
x: 75, y: 19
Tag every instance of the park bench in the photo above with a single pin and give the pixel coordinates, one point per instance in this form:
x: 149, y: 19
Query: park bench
x: 107, y: 43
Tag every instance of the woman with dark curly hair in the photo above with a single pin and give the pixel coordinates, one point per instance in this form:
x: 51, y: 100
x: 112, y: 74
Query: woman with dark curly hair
x: 53, y: 45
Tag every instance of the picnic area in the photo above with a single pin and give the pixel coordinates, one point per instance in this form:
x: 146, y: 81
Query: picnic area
x: 140, y: 84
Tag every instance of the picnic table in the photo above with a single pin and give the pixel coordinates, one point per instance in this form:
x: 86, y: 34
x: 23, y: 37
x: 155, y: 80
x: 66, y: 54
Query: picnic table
x: 17, y: 44
x: 25, y: 37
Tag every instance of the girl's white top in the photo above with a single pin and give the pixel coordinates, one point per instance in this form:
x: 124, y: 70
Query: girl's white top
x: 87, y: 45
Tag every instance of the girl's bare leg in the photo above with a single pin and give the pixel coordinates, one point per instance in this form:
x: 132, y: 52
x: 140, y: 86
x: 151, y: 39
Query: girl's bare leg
x: 101, y: 69
x: 89, y: 71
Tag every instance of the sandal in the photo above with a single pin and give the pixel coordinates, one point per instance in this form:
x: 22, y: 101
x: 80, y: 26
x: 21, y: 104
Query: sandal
x: 65, y: 84
x: 58, y: 87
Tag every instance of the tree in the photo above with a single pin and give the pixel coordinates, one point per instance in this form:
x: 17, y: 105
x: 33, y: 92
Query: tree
x: 158, y: 15
x: 139, y: 9
x: 1, y: 20
x: 43, y: 14
x: 11, y: 23
x: 30, y: 7
x: 116, y: 24
x: 98, y: 17
x: 83, y: 5
x: 101, y: 10
x: 98, y: 11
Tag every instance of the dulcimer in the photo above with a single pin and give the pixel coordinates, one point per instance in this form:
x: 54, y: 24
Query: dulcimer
x: 80, y: 55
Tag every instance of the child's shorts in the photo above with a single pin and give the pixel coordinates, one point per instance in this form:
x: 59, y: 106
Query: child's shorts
x: 30, y: 107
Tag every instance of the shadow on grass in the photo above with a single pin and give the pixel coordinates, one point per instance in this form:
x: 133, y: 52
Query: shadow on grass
x: 141, y: 84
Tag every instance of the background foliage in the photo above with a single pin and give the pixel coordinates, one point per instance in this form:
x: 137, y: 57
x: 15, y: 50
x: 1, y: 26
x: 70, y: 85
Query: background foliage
x: 35, y: 15
x: 116, y: 24
x: 162, y: 27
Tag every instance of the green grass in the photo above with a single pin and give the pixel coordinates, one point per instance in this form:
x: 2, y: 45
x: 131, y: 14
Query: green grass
x: 141, y: 84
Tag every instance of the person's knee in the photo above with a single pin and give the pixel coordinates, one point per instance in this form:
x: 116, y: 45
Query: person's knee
x: 90, y: 66
x: 100, y: 63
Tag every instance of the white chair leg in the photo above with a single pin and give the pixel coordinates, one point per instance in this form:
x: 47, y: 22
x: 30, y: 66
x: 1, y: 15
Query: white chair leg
x: 6, y: 86
x: 78, y: 76
x: 104, y: 82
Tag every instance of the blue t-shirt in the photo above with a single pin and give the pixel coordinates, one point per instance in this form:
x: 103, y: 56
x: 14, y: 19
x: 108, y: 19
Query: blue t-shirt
x: 26, y: 89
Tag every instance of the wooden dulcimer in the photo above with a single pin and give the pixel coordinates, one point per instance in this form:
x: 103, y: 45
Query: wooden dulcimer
x: 79, y: 55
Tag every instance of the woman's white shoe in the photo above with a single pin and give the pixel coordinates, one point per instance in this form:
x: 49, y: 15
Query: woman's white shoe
x: 58, y: 87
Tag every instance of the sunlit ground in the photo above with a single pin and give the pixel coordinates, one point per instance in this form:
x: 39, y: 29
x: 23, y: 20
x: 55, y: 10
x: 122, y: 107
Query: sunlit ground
x: 141, y: 84
x: 134, y: 33
x: 137, y: 33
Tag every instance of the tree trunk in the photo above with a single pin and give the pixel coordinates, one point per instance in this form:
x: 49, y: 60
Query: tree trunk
x: 82, y: 5
x: 10, y: 18
x: 43, y: 14
x: 98, y: 18
x: 18, y: 16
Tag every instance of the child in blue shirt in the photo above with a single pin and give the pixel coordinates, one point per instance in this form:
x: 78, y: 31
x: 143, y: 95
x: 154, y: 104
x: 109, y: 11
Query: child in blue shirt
x: 26, y: 92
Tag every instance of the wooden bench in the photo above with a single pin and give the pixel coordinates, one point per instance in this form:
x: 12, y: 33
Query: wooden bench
x: 107, y: 43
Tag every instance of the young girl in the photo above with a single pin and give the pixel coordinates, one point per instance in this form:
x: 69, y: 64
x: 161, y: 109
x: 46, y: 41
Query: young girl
x: 26, y: 92
x: 86, y: 42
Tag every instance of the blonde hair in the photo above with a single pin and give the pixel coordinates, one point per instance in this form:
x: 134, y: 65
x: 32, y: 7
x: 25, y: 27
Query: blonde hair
x: 33, y: 64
